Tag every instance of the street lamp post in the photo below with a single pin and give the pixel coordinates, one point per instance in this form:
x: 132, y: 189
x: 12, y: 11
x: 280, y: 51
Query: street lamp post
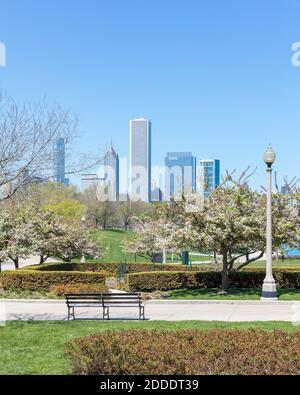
x: 269, y: 286
x: 83, y: 225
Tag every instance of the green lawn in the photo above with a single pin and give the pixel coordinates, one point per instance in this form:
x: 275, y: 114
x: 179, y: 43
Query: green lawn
x: 36, y: 347
x: 277, y: 263
x: 234, y: 294
x: 111, y: 241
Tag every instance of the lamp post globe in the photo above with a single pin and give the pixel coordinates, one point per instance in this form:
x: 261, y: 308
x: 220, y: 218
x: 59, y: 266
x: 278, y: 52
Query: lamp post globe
x: 269, y: 156
x: 269, y: 286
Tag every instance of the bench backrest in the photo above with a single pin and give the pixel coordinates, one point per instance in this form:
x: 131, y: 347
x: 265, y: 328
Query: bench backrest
x: 111, y: 298
x: 120, y: 298
x: 83, y: 298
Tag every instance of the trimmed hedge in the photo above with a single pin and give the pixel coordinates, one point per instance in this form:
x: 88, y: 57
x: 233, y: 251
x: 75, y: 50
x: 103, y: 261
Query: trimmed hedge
x: 79, y: 288
x: 111, y: 267
x: 164, y: 281
x: 217, y: 351
x: 35, y: 280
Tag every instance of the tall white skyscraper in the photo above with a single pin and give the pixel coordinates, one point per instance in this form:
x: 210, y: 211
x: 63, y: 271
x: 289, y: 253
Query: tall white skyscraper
x: 140, y: 160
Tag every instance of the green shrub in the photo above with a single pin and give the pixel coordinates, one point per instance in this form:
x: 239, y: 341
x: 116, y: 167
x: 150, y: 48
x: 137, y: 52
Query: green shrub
x: 113, y: 267
x: 164, y: 281
x: 35, y: 280
x: 217, y: 351
x: 80, y: 288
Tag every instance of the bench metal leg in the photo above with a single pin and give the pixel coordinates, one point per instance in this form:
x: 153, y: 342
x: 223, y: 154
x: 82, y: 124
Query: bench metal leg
x: 141, y: 313
x: 71, y: 312
x: 106, y: 312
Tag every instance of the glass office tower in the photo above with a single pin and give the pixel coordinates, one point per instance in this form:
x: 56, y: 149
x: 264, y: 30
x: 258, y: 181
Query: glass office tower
x: 59, y: 162
x: 180, y: 174
x: 140, y: 160
x: 209, y: 175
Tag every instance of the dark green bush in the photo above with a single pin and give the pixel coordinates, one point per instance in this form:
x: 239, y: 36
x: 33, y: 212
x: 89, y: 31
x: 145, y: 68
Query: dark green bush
x: 43, y: 281
x: 164, y: 281
x: 217, y: 351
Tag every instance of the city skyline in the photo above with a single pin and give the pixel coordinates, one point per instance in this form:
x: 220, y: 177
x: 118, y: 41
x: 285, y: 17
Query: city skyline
x: 178, y: 175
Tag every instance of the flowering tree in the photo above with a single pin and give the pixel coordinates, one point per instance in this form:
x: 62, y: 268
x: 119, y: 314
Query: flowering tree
x: 40, y: 232
x: 15, y: 237
x: 74, y: 243
x: 53, y: 237
x: 230, y: 224
x: 158, y: 234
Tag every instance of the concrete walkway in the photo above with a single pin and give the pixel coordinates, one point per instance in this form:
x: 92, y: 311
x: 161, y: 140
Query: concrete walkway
x: 176, y: 310
x: 34, y: 260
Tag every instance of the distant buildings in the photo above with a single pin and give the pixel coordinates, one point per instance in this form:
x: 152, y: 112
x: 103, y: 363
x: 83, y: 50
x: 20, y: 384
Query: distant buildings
x: 59, y: 162
x: 28, y: 179
x: 106, y: 181
x: 89, y: 181
x: 156, y: 195
x: 285, y: 190
x: 180, y: 174
x: 209, y: 175
x: 140, y: 160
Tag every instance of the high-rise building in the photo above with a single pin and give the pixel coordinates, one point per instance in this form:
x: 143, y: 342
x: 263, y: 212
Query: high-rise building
x: 140, y: 160
x: 59, y: 162
x: 110, y: 173
x: 180, y: 174
x: 209, y: 175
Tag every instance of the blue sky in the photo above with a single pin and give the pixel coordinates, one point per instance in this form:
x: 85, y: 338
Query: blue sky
x: 215, y: 77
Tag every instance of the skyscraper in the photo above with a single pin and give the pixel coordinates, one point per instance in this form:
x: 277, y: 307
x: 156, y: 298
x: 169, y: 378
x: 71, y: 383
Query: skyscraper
x: 180, y: 174
x: 209, y: 175
x: 59, y: 162
x: 140, y: 160
x: 110, y: 173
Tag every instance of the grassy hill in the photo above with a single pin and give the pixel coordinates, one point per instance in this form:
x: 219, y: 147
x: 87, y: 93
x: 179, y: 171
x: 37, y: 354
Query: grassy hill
x: 111, y: 242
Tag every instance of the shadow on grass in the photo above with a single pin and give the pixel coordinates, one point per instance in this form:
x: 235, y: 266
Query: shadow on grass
x: 233, y: 293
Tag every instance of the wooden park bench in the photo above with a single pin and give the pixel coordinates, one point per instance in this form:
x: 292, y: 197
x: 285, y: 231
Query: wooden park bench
x: 106, y: 301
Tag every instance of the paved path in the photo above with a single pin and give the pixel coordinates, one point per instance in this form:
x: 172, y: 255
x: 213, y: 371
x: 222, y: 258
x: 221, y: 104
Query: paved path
x: 175, y: 310
x: 34, y: 260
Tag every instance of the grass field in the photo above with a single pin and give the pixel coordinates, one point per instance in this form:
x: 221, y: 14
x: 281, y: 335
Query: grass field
x: 234, y: 294
x: 36, y: 347
x: 111, y: 241
x: 277, y: 263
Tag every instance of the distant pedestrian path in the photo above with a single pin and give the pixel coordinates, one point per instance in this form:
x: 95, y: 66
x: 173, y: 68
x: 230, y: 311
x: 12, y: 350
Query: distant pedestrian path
x: 34, y: 260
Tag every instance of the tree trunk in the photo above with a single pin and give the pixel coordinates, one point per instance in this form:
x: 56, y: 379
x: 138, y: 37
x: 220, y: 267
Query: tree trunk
x: 224, y: 284
x: 16, y: 262
x: 43, y: 259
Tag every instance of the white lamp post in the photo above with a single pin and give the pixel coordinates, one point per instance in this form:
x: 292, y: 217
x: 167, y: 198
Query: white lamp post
x: 83, y: 225
x: 269, y: 286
